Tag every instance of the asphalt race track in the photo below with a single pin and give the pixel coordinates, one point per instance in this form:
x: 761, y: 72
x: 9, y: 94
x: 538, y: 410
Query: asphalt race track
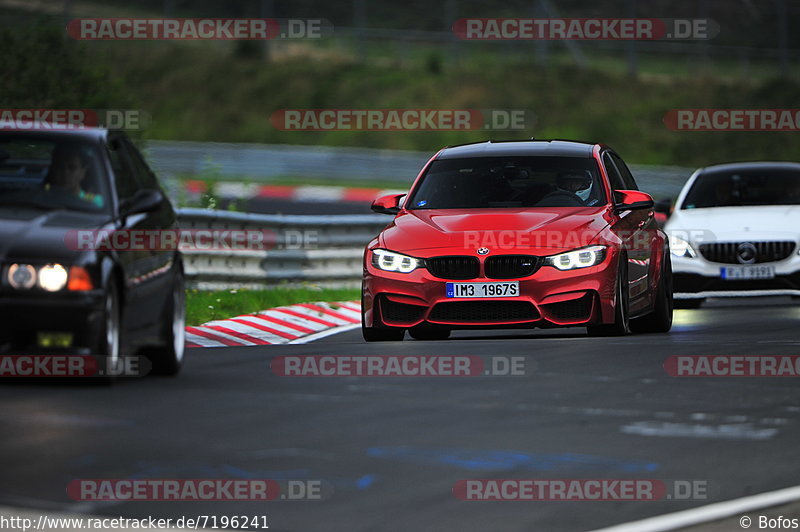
x: 393, y: 448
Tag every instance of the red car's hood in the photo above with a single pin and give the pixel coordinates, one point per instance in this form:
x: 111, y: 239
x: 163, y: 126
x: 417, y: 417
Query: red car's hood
x: 507, y: 229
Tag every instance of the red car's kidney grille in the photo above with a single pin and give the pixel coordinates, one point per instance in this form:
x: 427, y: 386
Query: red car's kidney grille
x: 728, y: 252
x: 484, y: 311
x: 454, y: 267
x: 511, y: 266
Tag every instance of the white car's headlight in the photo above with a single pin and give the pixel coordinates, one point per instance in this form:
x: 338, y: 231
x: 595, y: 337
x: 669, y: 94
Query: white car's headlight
x: 52, y: 277
x: 395, y: 262
x: 21, y: 276
x: 681, y: 248
x: 580, y: 258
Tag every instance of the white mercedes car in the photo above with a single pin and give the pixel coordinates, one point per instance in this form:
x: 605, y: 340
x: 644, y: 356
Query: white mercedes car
x: 735, y: 231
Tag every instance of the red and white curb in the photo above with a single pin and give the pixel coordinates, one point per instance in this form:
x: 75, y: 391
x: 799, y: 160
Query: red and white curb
x: 293, y: 324
x: 236, y: 190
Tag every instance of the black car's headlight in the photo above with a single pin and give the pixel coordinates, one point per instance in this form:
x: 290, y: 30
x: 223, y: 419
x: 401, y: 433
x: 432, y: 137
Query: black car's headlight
x: 21, y: 276
x: 579, y: 258
x: 390, y: 261
x: 50, y: 277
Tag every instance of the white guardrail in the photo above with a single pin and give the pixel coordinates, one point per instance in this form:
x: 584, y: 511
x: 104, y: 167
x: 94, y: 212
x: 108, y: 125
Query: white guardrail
x: 300, y: 249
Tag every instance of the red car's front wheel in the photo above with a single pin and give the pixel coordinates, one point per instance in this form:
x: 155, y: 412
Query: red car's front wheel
x: 622, y: 322
x: 660, y: 320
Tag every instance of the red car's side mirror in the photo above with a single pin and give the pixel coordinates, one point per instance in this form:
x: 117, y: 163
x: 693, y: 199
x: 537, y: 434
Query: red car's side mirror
x: 629, y: 200
x: 387, y: 204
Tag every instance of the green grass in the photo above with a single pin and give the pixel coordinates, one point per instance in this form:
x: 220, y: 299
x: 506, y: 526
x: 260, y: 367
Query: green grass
x: 202, y: 307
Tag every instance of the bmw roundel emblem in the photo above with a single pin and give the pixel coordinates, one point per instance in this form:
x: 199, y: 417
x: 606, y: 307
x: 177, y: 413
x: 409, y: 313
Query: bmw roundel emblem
x: 483, y: 251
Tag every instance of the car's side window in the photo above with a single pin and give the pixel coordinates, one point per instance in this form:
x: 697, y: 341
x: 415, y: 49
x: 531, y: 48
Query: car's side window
x: 124, y: 178
x: 625, y: 173
x: 613, y: 174
x: 145, y: 176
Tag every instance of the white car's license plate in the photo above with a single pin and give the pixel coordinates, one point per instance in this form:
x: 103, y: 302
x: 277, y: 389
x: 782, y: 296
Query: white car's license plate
x: 744, y: 273
x: 510, y: 289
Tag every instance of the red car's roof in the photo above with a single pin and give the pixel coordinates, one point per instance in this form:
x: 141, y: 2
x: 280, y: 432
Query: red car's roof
x: 552, y: 148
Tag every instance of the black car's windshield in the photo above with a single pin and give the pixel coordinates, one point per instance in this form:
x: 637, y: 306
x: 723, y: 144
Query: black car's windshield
x: 492, y: 182
x: 52, y: 174
x: 744, y: 188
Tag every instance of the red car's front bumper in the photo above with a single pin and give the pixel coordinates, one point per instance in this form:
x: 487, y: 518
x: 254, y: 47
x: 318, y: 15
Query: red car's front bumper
x: 549, y: 297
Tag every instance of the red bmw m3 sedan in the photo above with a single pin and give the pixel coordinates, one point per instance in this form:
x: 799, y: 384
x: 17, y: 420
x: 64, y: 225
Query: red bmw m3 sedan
x: 518, y: 234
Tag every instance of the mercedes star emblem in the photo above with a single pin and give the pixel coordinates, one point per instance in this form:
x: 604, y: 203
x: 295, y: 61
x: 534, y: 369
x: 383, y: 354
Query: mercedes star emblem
x: 746, y: 253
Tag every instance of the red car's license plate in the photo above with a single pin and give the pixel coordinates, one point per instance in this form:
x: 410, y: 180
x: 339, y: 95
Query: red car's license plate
x: 510, y: 289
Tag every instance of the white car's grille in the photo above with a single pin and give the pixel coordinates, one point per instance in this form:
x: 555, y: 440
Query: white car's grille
x: 747, y: 252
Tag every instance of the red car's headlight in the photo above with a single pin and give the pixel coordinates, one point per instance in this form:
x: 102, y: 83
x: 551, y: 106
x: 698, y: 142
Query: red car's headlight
x: 579, y: 258
x: 395, y: 262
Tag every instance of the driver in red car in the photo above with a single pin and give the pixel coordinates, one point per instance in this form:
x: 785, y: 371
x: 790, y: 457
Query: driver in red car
x: 579, y: 183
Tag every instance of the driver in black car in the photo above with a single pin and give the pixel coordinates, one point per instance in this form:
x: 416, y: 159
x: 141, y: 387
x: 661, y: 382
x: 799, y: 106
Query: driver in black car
x: 68, y: 171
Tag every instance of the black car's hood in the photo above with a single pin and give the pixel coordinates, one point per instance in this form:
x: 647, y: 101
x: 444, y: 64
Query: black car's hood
x: 30, y: 235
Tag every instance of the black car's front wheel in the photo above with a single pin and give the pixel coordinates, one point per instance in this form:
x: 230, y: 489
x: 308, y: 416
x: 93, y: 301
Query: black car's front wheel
x: 168, y: 359
x: 109, y: 339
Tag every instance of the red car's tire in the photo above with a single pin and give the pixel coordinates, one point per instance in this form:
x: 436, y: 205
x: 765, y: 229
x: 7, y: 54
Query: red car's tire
x: 660, y: 319
x: 386, y: 334
x: 425, y: 331
x: 622, y: 322
x: 381, y: 333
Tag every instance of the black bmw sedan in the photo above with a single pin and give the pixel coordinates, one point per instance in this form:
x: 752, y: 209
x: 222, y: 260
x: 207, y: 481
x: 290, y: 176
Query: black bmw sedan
x: 62, y: 289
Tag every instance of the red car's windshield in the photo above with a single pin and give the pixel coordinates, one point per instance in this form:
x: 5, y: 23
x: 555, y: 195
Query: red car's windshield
x: 496, y: 182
